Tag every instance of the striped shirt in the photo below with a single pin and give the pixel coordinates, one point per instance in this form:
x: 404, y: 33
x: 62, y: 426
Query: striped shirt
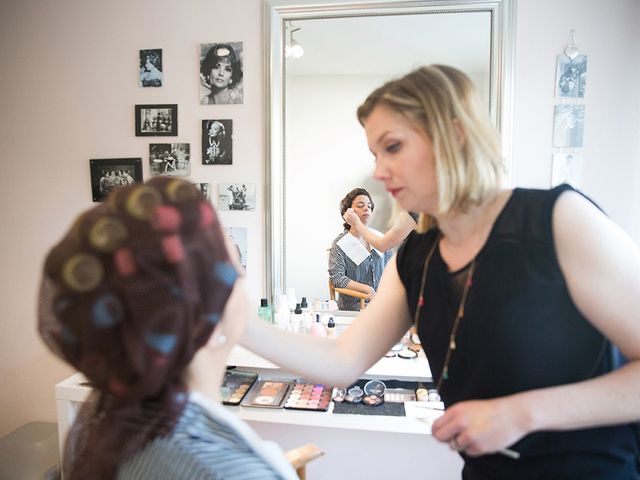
x: 208, y: 443
x: 342, y: 270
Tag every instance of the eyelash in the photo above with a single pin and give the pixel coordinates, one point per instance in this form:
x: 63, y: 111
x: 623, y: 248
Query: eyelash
x: 393, y: 148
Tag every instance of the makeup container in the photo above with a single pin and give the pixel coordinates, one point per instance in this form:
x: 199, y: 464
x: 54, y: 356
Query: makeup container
x: 399, y: 395
x: 338, y: 394
x: 235, y: 386
x: 390, y: 354
x: 266, y: 394
x: 354, y: 395
x: 372, y: 400
x: 296, y: 319
x: 434, y: 396
x: 264, y: 311
x: 309, y: 396
x: 407, y: 354
x: 397, y: 347
x: 317, y: 328
x: 374, y: 393
x: 422, y: 395
x: 331, y: 327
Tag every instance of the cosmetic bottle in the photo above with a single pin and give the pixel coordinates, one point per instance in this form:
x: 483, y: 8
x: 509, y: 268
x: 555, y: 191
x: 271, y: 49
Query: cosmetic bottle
x: 296, y: 319
x: 264, y: 311
x: 331, y: 327
x: 318, y: 329
x: 281, y: 314
x: 291, y: 295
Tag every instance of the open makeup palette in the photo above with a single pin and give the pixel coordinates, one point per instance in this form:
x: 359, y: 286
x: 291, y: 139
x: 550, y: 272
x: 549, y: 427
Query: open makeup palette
x: 235, y: 386
x: 309, y: 396
x: 267, y: 394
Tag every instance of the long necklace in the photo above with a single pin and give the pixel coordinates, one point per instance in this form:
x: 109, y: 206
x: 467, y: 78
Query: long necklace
x: 456, y: 322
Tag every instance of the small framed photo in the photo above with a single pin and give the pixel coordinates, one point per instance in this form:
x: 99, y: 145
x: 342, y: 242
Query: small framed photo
x: 217, y: 142
x: 237, y: 196
x: 571, y: 76
x: 568, y: 126
x: 205, y: 188
x: 173, y: 159
x: 107, y: 174
x: 567, y: 168
x: 221, y: 73
x: 157, y: 120
x: 238, y: 235
x: 150, y: 68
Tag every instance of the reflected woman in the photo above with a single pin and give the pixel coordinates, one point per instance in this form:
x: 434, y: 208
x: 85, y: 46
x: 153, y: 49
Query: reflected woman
x: 353, y: 263
x: 221, y: 74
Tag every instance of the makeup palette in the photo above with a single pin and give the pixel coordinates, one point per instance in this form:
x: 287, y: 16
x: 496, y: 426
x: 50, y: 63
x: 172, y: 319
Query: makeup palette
x: 309, y: 396
x: 267, y: 394
x: 399, y: 395
x: 235, y: 386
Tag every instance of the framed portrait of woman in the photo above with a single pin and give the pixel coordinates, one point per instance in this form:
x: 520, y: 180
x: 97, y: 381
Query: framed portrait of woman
x: 217, y: 142
x: 221, y: 73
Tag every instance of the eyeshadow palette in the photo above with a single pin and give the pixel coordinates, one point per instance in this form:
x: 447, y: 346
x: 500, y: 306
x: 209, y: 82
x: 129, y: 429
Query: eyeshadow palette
x: 267, y: 394
x: 309, y: 396
x: 399, y: 395
x: 235, y: 386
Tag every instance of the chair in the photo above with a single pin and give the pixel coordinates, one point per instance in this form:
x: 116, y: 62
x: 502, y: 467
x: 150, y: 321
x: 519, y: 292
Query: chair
x: 299, y: 457
x: 347, y: 291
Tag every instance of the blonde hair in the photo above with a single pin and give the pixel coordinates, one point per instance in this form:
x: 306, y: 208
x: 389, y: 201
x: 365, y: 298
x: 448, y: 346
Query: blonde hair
x: 441, y: 102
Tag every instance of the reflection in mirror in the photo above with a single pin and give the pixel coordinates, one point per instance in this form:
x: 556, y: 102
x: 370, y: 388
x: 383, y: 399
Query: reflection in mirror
x: 318, y: 149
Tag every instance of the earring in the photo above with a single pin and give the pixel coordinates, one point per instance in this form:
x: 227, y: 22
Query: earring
x: 220, y: 340
x: 230, y: 81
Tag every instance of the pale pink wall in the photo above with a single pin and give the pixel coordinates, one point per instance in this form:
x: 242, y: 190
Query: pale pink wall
x: 68, y: 85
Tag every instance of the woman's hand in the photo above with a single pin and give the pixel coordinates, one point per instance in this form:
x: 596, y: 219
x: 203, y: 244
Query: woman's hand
x: 479, y: 427
x: 352, y: 218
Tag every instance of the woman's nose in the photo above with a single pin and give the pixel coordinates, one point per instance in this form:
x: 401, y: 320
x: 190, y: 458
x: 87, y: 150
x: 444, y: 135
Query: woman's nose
x: 380, y: 172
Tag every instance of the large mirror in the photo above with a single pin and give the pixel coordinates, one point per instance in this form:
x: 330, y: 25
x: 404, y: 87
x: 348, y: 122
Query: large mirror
x: 317, y: 150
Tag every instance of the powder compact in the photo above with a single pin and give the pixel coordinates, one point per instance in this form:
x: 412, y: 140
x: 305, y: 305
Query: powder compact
x: 339, y: 394
x: 309, y: 396
x: 267, y: 394
x: 374, y: 393
x: 235, y: 386
x: 372, y: 400
x: 407, y: 354
x: 354, y: 395
x: 399, y: 395
x: 390, y: 354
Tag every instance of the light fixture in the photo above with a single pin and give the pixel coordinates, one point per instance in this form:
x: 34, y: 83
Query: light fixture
x: 293, y: 49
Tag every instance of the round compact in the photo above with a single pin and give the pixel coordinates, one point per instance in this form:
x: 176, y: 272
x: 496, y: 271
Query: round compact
x: 390, y: 354
x: 356, y: 391
x: 407, y: 354
x: 372, y: 400
x: 352, y: 399
x: 339, y: 395
x: 422, y: 395
x: 434, y: 396
x: 375, y: 387
x: 397, y: 347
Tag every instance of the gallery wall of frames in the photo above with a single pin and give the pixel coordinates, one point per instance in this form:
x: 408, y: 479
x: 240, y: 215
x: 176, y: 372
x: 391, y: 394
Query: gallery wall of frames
x: 220, y: 80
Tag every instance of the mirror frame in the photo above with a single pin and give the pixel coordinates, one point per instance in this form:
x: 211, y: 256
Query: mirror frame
x: 278, y: 12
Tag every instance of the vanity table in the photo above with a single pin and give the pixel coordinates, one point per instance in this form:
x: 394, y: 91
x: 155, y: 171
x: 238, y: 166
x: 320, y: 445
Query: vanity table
x: 355, y: 445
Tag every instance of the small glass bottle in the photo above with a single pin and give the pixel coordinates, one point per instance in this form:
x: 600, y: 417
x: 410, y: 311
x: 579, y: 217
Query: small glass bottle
x: 264, y: 311
x: 296, y: 319
x: 331, y: 327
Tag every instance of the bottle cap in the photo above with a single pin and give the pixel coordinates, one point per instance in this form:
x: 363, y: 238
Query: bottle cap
x: 298, y: 309
x: 264, y: 302
x: 303, y: 303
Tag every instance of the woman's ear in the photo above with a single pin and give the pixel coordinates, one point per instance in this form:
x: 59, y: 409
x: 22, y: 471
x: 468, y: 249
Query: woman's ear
x: 461, y: 135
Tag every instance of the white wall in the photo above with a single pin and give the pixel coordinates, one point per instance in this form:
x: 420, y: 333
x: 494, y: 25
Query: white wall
x: 68, y: 86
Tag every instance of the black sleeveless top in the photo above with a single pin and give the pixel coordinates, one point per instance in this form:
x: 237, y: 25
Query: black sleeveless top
x: 521, y: 331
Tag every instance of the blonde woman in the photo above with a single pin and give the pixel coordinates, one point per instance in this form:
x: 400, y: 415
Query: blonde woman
x: 520, y: 297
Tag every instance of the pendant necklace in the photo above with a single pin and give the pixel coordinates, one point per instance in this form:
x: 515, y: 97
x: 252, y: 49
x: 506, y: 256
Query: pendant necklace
x: 460, y: 313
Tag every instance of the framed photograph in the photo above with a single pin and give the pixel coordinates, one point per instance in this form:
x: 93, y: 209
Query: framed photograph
x: 157, y: 120
x: 205, y: 188
x: 566, y: 168
x: 221, y: 73
x: 237, y: 196
x: 150, y: 68
x: 217, y: 142
x: 238, y: 235
x: 108, y: 174
x: 571, y: 76
x: 173, y: 159
x: 568, y: 126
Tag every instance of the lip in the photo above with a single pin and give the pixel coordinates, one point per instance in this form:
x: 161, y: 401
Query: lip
x: 219, y: 81
x: 394, y: 191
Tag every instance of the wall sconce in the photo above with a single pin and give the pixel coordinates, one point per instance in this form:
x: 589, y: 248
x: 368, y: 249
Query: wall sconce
x: 293, y: 49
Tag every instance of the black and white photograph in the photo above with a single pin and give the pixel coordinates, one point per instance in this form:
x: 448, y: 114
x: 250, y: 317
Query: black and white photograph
x: 172, y: 159
x: 571, y: 76
x: 157, y: 120
x: 205, y: 188
x: 107, y: 174
x: 238, y: 235
x: 566, y: 168
x: 150, y: 68
x: 236, y: 196
x: 221, y: 73
x: 568, y: 126
x: 217, y: 142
